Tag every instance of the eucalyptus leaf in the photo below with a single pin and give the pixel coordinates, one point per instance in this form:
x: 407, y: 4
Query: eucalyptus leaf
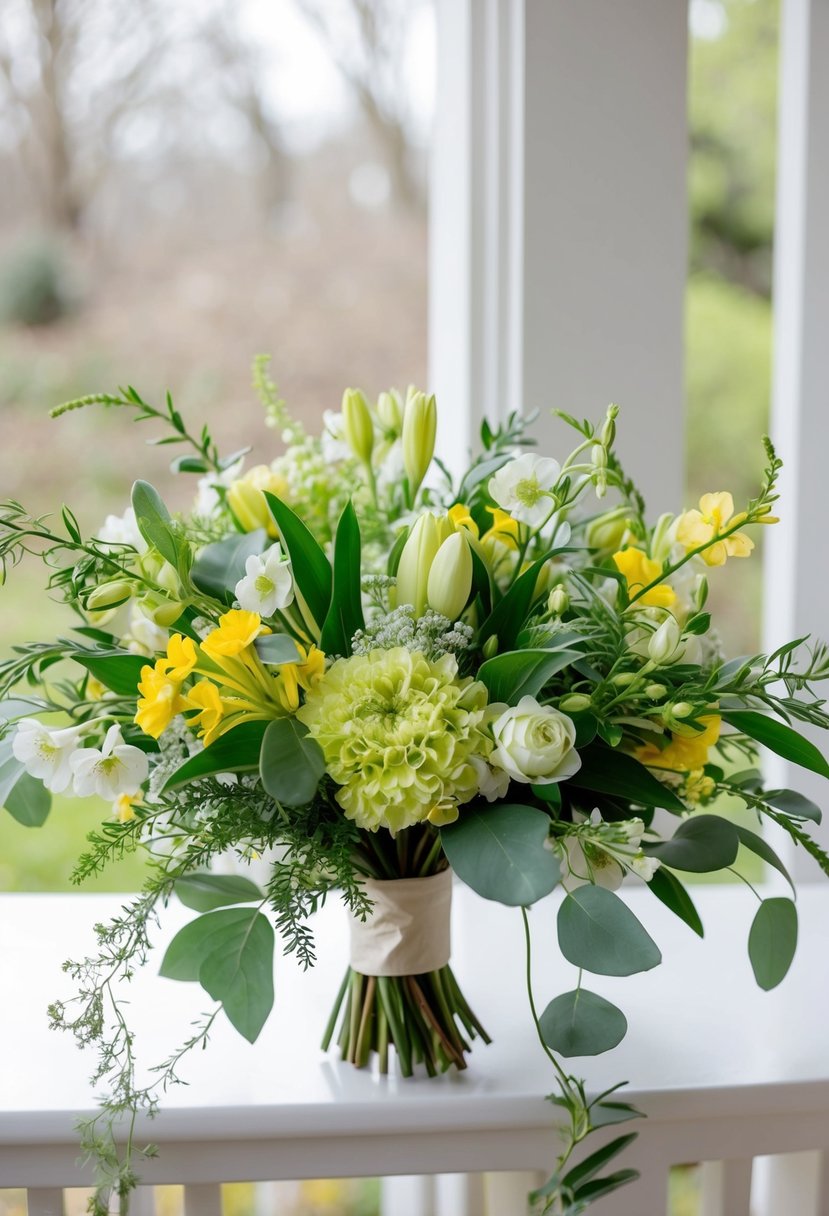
x: 274, y: 649
x: 28, y: 801
x: 291, y: 763
x: 500, y: 852
x: 699, y: 845
x: 779, y: 738
x: 221, y: 565
x: 203, y: 891
x: 598, y: 932
x: 581, y: 1023
x: 230, y: 952
x: 772, y: 941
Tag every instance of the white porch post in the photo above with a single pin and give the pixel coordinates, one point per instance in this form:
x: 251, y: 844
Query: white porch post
x: 797, y: 583
x: 559, y: 221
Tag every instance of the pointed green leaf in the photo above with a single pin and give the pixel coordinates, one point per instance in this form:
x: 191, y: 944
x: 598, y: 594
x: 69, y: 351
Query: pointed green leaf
x: 590, y: 1166
x: 667, y: 888
x: 204, y: 892
x: 500, y: 852
x: 604, y: 770
x: 291, y: 762
x: 311, y: 568
x: 509, y: 615
x: 236, y: 752
x: 794, y: 804
x: 699, y: 845
x: 345, y: 616
x: 522, y: 673
x: 598, y: 932
x: 772, y: 941
x: 757, y: 845
x: 779, y: 738
x: 154, y: 522
x: 580, y: 1023
x: 118, y: 672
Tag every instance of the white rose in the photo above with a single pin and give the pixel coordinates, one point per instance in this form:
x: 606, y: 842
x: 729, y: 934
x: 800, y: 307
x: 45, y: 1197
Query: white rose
x: 535, y: 743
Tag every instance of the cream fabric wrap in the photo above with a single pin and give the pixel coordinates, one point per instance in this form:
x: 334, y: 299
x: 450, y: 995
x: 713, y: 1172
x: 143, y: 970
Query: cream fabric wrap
x: 407, y: 930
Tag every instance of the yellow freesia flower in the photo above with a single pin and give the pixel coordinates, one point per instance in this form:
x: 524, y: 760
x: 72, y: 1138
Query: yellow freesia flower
x: 312, y: 667
x: 205, y: 698
x: 181, y: 657
x: 124, y: 806
x: 703, y: 527
x: 697, y: 786
x: 237, y: 630
x: 504, y: 529
x: 639, y: 571
x: 683, y: 753
x: 459, y: 514
x: 159, y: 699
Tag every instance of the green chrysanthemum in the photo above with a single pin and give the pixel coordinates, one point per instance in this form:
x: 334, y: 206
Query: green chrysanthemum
x: 397, y: 732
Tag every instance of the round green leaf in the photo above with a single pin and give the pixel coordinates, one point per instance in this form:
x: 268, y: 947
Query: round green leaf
x: 598, y: 932
x: 203, y: 891
x: 773, y: 941
x: 291, y: 762
x: 580, y: 1023
x: 700, y: 844
x: 29, y: 802
x: 500, y: 852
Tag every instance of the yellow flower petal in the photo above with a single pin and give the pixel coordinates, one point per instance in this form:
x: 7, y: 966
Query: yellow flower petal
x: 237, y: 630
x: 639, y: 571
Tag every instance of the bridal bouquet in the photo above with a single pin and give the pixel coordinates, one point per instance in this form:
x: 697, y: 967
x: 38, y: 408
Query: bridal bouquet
x: 370, y: 675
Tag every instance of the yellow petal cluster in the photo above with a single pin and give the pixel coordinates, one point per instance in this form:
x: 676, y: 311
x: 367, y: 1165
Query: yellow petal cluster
x: 684, y: 753
x: 705, y: 526
x: 640, y: 571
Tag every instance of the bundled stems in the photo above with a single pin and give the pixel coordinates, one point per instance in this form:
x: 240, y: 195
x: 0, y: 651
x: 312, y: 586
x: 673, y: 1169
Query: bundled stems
x: 425, y: 1018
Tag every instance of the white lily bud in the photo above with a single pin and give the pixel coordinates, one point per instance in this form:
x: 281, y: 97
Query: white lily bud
x: 416, y: 560
x: 419, y: 429
x: 450, y: 577
x: 357, y: 424
x: 665, y: 645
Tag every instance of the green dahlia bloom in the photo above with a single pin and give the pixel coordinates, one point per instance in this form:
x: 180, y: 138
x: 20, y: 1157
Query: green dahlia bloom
x: 397, y: 732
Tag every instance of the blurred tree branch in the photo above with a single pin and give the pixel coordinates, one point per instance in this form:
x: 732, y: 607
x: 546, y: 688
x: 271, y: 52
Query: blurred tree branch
x: 366, y: 39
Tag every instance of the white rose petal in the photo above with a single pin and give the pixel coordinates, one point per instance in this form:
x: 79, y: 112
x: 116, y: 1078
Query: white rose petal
x: 46, y: 754
x: 268, y: 584
x: 535, y: 743
x: 522, y: 487
x: 118, y: 768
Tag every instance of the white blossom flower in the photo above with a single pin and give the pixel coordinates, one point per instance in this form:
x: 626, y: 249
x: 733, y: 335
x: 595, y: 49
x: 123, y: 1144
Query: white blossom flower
x: 522, y: 486
x: 46, y: 754
x: 118, y: 768
x: 144, y: 636
x: 267, y: 585
x: 602, y: 853
x: 535, y: 743
x: 122, y: 530
x: 493, y: 783
x: 334, y: 446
